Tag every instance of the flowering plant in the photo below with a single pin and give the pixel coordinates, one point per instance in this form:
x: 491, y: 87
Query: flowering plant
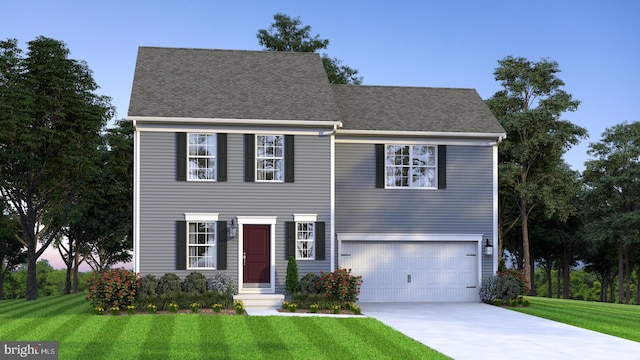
x: 335, y: 309
x: 114, y: 310
x: 216, y: 307
x: 340, y: 285
x: 131, y: 309
x: 113, y: 288
x: 314, y: 308
x: 194, y: 307
x: 98, y: 310
x: 173, y: 307
x: 239, y: 307
x: 293, y: 307
x: 152, y: 308
x: 285, y: 305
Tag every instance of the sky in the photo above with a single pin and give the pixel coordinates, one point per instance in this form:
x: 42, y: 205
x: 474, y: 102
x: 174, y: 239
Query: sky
x: 454, y: 43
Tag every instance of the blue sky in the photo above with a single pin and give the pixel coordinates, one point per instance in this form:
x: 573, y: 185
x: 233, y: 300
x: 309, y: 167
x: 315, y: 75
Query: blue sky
x: 404, y: 43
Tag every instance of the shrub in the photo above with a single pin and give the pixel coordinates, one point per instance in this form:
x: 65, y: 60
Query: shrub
x: 148, y: 285
x: 169, y: 283
x: 309, y: 283
x: 223, y: 284
x: 195, y: 282
x: 113, y: 288
x: 518, y: 275
x: 340, y: 285
x: 508, y: 289
x: 488, y: 289
x: 291, y: 283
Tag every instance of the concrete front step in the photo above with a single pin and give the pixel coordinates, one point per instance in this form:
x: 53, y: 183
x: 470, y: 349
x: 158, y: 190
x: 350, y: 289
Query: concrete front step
x: 260, y: 300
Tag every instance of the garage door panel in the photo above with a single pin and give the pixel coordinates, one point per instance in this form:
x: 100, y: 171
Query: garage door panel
x: 413, y: 271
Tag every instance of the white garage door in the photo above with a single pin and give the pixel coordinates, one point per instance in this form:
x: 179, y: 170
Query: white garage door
x: 413, y: 271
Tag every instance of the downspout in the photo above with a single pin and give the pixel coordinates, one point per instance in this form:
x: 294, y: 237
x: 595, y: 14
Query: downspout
x: 496, y: 255
x: 136, y: 198
x: 333, y: 197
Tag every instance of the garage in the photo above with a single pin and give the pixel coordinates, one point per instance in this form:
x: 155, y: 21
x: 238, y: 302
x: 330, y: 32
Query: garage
x: 412, y: 271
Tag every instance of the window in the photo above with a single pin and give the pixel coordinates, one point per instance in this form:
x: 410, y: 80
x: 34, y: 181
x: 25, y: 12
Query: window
x: 269, y: 158
x: 410, y: 166
x: 305, y: 239
x: 201, y: 246
x: 202, y: 156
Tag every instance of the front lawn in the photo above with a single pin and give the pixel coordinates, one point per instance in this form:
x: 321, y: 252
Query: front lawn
x: 613, y: 319
x: 82, y: 335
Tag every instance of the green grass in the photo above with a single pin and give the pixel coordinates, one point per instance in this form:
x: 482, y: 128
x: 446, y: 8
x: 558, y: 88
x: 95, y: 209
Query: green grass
x: 82, y: 335
x: 613, y: 319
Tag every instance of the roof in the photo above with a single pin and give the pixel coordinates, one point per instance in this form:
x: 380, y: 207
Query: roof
x: 231, y: 84
x: 254, y: 86
x: 394, y: 108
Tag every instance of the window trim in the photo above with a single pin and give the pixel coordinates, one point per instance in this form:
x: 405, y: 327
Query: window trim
x: 214, y: 246
x: 194, y: 218
x: 436, y: 166
x: 305, y: 219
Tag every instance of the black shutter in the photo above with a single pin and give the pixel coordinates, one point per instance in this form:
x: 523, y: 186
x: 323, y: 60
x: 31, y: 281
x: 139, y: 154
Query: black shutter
x: 320, y: 236
x: 222, y: 246
x: 380, y: 166
x: 442, y: 166
x: 181, y: 156
x: 290, y: 239
x: 222, y: 158
x: 181, y: 245
x: 249, y: 158
x: 289, y: 158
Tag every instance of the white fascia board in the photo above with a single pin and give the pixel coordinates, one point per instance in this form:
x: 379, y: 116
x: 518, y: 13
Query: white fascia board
x: 437, y: 134
x: 418, y: 141
x: 407, y: 237
x: 201, y: 216
x: 305, y: 217
x: 270, y: 122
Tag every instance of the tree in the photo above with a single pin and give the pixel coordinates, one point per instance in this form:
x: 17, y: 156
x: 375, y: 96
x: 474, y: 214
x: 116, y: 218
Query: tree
x: 288, y: 34
x: 529, y: 108
x: 613, y: 193
x: 11, y: 249
x: 50, y: 116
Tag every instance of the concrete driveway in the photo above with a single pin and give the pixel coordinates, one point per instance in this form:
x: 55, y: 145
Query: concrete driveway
x: 480, y: 331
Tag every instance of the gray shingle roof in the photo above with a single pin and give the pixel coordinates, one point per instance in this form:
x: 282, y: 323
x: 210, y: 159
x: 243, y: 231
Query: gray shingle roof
x: 268, y: 85
x: 231, y: 84
x: 414, y: 109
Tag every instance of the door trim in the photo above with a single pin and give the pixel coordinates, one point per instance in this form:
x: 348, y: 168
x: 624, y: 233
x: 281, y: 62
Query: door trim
x: 257, y: 220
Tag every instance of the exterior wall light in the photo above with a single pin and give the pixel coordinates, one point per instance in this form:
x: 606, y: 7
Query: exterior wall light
x: 488, y: 248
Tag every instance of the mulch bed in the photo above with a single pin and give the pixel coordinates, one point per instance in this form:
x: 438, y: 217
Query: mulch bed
x: 321, y: 311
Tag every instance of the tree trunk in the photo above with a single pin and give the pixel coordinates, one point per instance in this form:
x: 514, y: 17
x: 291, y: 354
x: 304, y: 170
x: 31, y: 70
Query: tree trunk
x: 559, y: 280
x: 526, y: 255
x: 2, y: 274
x: 32, y: 273
x: 549, y: 280
x: 620, y: 272
x: 566, y: 275
x: 638, y: 287
x: 627, y: 270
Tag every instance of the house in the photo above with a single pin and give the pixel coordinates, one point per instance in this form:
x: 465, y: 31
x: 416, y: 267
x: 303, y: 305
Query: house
x: 245, y: 158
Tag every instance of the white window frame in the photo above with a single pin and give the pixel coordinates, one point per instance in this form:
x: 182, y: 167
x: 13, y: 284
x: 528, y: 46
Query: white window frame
x: 262, y: 170
x: 200, y: 218
x: 411, y: 167
x: 195, y: 158
x: 308, y: 220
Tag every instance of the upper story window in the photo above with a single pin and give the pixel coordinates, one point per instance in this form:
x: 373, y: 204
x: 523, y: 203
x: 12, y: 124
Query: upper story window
x: 270, y: 158
x: 202, y: 156
x: 411, y: 166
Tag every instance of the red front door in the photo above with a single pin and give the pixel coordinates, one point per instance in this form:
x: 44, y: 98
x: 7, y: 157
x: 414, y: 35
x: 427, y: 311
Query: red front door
x: 256, y: 245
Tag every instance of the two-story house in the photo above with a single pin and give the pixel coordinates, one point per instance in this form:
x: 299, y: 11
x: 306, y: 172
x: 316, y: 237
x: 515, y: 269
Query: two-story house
x: 245, y: 158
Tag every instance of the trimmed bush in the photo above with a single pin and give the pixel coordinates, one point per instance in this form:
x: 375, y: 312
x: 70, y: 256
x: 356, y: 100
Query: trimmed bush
x: 113, y: 288
x: 222, y: 283
x: 309, y: 283
x: 488, y: 291
x: 340, y: 285
x: 148, y: 285
x: 508, y: 289
x: 195, y: 282
x: 291, y: 283
x: 169, y: 283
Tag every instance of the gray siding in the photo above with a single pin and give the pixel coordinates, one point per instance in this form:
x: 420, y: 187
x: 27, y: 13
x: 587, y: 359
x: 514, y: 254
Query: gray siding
x: 163, y: 200
x: 464, y: 207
